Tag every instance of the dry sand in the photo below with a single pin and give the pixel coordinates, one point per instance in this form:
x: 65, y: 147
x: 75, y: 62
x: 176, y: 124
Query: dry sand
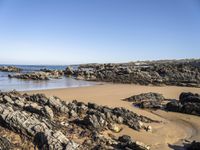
x: 175, y: 128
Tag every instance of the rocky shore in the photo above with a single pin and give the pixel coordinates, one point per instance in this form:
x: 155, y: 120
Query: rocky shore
x: 175, y: 72
x: 188, y: 103
x: 50, y: 123
x: 10, y: 69
x: 53, y: 74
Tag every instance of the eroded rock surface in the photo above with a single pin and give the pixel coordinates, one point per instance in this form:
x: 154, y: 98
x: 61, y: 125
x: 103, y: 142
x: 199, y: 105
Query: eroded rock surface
x: 147, y: 100
x: 50, y: 123
x: 188, y: 103
x: 180, y: 72
x: 10, y: 69
x: 37, y: 75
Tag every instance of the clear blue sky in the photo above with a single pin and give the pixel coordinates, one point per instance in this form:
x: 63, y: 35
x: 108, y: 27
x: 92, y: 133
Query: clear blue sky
x: 81, y: 31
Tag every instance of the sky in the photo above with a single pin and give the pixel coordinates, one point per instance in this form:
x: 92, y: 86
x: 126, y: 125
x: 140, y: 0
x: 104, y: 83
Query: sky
x: 98, y: 31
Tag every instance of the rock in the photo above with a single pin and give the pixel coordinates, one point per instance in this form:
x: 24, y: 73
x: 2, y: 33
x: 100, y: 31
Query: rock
x: 31, y: 76
x: 54, y: 74
x: 174, y: 106
x: 69, y: 71
x: 56, y: 103
x: 114, y: 128
x: 127, y: 143
x: 189, y: 103
x: 189, y: 97
x: 193, y: 146
x: 48, y: 112
x: 8, y: 99
x: 124, y: 139
x: 10, y: 69
x: 5, y: 143
x: 145, y: 96
x: 149, y: 129
x: 142, y: 146
x: 50, y: 123
x: 72, y: 113
x: 169, y: 72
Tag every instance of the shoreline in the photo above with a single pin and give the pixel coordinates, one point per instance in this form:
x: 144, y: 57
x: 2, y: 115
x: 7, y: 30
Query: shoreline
x: 175, y: 128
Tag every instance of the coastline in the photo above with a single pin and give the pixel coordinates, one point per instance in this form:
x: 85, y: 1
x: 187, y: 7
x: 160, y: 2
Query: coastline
x: 174, y: 128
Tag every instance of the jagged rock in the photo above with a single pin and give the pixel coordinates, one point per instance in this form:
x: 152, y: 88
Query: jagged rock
x: 189, y: 97
x: 5, y: 143
x: 48, y: 112
x: 10, y: 69
x: 127, y: 143
x: 179, y: 72
x: 57, y: 104
x: 147, y: 100
x: 31, y: 76
x: 38, y: 75
x: 24, y: 123
x: 50, y: 123
x: 53, y: 73
x: 145, y: 96
x: 69, y: 71
x: 189, y: 103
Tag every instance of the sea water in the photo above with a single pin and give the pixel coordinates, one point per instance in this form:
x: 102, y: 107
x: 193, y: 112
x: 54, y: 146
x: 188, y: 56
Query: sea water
x: 7, y: 84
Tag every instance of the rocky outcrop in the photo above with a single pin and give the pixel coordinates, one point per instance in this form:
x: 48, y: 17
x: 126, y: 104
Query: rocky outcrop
x: 147, y: 100
x: 37, y: 75
x: 5, y: 143
x: 188, y: 103
x: 50, y: 123
x: 10, y: 69
x: 53, y: 72
x: 193, y: 146
x: 179, y: 73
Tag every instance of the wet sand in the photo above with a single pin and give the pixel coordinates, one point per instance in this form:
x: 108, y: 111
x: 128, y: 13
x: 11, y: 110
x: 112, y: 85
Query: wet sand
x: 174, y: 129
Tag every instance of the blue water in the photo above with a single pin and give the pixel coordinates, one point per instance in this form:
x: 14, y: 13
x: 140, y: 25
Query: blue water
x: 7, y: 84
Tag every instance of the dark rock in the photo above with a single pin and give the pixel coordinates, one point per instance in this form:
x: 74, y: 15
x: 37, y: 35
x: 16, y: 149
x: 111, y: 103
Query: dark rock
x: 189, y: 97
x: 145, y: 96
x: 175, y: 72
x: 69, y: 71
x: 174, y: 106
x: 194, y: 146
x: 189, y: 103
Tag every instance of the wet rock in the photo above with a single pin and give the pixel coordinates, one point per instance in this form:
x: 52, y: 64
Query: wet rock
x: 69, y: 71
x: 31, y: 76
x: 38, y: 75
x: 10, y: 69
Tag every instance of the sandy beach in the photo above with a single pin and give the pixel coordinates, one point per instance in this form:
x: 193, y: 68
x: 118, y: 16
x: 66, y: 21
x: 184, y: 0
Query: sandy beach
x: 174, y: 129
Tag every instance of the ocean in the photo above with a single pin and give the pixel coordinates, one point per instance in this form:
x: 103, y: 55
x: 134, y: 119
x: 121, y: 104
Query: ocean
x: 7, y: 84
